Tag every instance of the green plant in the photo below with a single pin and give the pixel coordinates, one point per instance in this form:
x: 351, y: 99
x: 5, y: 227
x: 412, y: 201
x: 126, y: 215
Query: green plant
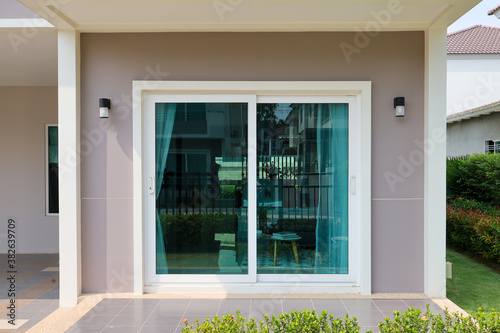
x: 227, y: 192
x: 306, y: 321
x: 475, y: 177
x: 474, y: 227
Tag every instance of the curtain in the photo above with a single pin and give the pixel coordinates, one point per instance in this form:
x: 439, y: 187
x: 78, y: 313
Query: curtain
x: 164, y: 124
x: 332, y: 216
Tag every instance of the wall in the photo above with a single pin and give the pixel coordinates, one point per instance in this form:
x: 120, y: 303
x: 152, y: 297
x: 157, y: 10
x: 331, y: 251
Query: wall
x: 467, y: 137
x: 111, y: 61
x: 473, y: 81
x: 24, y: 111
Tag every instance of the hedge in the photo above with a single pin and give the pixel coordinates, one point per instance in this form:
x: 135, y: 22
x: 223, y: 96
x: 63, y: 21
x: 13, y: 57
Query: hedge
x: 475, y: 177
x: 306, y: 321
x: 474, y: 226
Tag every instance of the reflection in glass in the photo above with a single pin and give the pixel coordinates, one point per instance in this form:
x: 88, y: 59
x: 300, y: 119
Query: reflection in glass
x: 53, y: 171
x: 201, y: 173
x: 302, y: 188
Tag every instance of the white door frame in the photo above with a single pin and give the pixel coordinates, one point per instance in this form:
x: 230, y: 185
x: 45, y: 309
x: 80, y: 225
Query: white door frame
x: 360, y: 181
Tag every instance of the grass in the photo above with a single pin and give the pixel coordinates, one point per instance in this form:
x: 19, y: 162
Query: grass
x: 473, y: 285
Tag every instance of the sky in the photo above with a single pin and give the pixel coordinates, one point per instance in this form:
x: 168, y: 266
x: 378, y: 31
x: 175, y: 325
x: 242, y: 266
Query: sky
x: 477, y: 15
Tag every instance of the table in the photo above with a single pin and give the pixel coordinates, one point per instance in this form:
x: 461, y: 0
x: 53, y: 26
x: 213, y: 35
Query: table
x: 293, y: 240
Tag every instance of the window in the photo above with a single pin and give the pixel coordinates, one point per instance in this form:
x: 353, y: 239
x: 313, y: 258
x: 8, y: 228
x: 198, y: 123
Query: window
x: 492, y: 146
x: 271, y: 191
x: 52, y: 170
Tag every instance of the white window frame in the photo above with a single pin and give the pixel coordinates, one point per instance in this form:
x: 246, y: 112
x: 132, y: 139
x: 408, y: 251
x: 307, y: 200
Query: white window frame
x: 47, y: 126
x: 360, y: 181
x: 496, y: 146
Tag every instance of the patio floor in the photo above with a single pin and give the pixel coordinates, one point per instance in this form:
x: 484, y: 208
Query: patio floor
x: 37, y: 293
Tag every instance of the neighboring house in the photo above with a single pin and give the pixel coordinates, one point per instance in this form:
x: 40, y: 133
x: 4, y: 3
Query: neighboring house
x: 495, y: 11
x: 229, y: 122
x: 474, y: 131
x: 473, y: 90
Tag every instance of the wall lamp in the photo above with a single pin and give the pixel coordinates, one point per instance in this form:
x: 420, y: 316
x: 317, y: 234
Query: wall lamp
x: 104, y: 106
x: 399, y: 105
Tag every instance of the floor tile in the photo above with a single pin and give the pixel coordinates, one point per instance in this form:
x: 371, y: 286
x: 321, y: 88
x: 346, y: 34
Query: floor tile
x: 144, y: 302
x: 123, y: 329
x: 265, y: 306
x: 333, y: 306
x: 137, y: 311
x: 100, y: 310
x: 114, y: 302
x: 173, y: 306
x: 206, y: 307
x: 91, y: 320
x: 161, y: 320
x: 84, y: 329
x: 232, y: 305
x: 154, y: 329
x: 290, y: 305
x: 128, y: 320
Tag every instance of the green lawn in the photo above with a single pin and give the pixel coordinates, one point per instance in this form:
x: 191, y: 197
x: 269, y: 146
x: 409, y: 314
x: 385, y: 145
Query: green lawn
x: 473, y: 285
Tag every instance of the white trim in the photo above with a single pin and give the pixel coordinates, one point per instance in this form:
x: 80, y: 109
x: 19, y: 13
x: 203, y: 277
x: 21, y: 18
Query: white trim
x: 360, y: 89
x: 46, y: 143
x: 479, y: 112
x: 435, y: 164
x: 69, y: 167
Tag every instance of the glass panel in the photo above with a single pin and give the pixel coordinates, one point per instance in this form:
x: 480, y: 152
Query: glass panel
x: 302, y: 194
x: 201, y: 176
x: 53, y: 171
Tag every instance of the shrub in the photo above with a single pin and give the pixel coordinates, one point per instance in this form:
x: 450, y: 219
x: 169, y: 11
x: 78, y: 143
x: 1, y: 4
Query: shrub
x: 474, y: 227
x: 411, y: 321
x: 475, y: 177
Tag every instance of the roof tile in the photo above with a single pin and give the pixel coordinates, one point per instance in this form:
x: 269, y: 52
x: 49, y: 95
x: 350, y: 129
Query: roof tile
x: 477, y: 39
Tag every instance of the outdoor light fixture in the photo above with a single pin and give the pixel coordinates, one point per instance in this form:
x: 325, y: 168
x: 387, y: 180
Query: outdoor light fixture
x: 399, y: 105
x: 104, y: 105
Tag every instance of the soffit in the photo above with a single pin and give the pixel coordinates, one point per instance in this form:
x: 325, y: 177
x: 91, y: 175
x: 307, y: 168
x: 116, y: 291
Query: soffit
x: 249, y: 15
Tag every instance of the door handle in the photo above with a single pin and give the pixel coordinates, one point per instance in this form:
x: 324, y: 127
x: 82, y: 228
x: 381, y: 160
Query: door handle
x: 353, y: 185
x: 151, y: 184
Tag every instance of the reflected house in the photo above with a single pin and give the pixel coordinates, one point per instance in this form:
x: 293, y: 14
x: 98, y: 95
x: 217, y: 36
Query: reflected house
x: 253, y: 150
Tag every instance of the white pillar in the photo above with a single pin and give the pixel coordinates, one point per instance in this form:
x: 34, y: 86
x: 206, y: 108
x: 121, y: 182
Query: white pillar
x: 435, y: 164
x: 69, y: 167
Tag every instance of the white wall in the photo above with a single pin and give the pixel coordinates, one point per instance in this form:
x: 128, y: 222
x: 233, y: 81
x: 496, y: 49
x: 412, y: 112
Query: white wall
x: 467, y: 137
x: 473, y: 81
x: 24, y: 112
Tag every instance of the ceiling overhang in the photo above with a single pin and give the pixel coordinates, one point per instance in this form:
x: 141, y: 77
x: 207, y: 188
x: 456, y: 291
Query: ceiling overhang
x: 249, y: 15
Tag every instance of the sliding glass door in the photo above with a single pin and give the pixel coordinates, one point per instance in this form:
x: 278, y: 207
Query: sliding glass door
x: 248, y: 188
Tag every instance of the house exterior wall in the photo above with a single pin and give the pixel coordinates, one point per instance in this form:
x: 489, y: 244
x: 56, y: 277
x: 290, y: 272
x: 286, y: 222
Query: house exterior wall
x: 467, y: 137
x: 473, y: 81
x: 111, y: 61
x: 24, y: 112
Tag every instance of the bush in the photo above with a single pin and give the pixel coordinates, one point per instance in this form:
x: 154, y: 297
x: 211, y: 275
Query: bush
x: 474, y: 227
x: 412, y: 321
x: 192, y: 232
x: 475, y: 177
x: 298, y: 322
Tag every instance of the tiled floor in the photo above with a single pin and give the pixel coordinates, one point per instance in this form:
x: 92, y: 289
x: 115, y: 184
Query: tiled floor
x: 166, y: 315
x: 36, y: 286
x: 37, y: 293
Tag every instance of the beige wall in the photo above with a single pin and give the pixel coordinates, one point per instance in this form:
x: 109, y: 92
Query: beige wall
x: 24, y: 112
x: 394, y: 62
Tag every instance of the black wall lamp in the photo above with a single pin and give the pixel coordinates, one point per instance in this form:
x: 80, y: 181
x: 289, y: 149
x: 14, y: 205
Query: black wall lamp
x: 399, y: 105
x: 104, y: 106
